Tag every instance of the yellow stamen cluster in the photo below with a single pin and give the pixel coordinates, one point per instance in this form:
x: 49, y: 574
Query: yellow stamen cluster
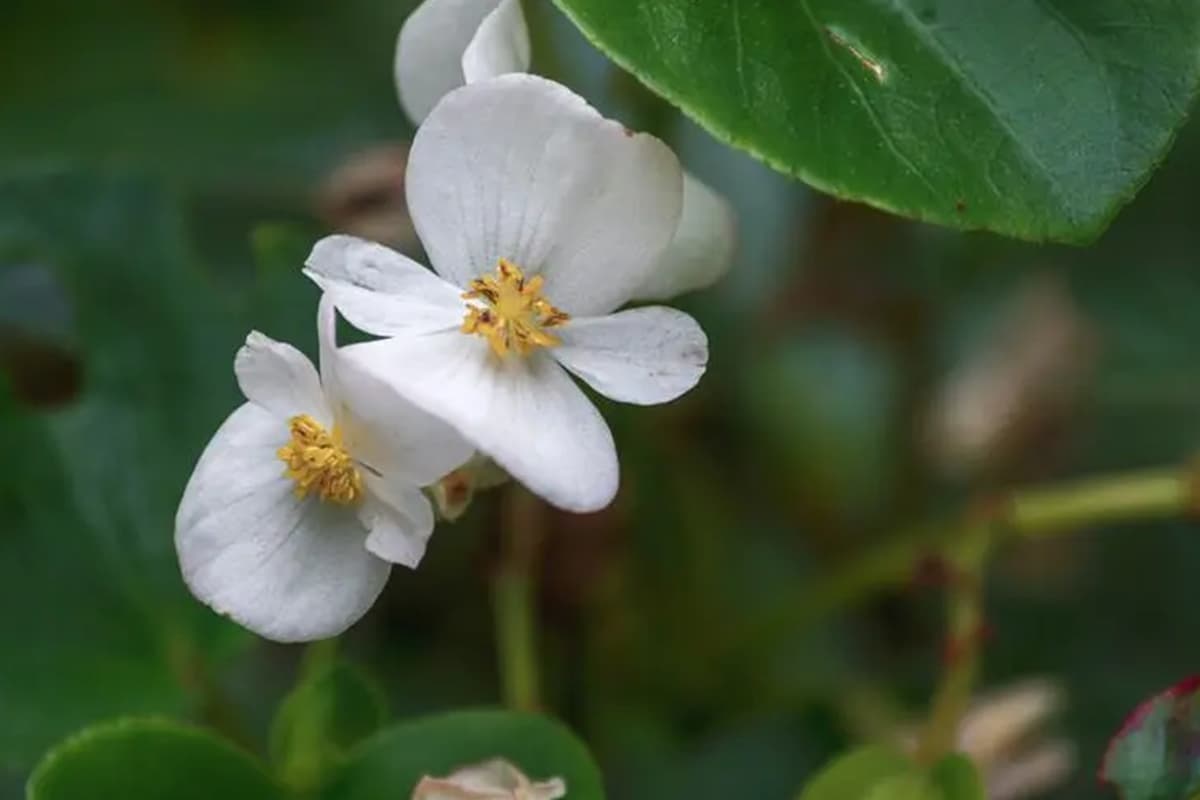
x: 319, y: 464
x: 516, y: 317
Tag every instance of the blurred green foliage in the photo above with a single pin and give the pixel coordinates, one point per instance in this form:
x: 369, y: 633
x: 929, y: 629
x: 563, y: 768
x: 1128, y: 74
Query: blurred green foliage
x: 158, y: 168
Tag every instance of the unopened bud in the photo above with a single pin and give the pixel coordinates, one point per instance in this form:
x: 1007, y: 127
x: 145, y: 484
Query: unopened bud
x: 492, y: 780
x: 452, y: 495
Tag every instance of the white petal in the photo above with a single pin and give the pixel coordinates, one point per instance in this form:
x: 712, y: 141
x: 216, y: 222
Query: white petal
x: 383, y: 432
x: 526, y: 413
x: 327, y: 349
x: 644, y: 355
x: 287, y: 569
x: 492, y: 780
x: 400, y: 519
x: 430, y: 48
x: 702, y: 250
x: 500, y: 46
x: 393, y: 437
x: 519, y: 167
x: 381, y: 291
x: 279, y: 378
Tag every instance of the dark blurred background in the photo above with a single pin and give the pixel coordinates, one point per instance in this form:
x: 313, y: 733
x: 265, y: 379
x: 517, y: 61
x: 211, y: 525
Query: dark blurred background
x: 164, y: 166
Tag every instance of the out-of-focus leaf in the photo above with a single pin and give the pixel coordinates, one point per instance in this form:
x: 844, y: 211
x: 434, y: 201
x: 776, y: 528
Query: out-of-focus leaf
x: 330, y: 711
x: 390, y: 764
x: 149, y: 760
x: 819, y: 408
x: 249, y: 100
x: 958, y: 779
x: 861, y: 774
x: 761, y: 757
x: 88, y: 574
x: 1156, y: 754
x: 1026, y: 118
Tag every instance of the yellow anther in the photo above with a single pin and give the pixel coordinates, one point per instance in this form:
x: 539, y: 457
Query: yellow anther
x: 319, y: 464
x: 516, y: 316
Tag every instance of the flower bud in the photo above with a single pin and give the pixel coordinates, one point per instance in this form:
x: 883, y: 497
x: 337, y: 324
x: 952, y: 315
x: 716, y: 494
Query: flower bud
x: 492, y: 780
x: 454, y: 492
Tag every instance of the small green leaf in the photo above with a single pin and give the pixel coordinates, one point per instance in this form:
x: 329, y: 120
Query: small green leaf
x: 329, y: 712
x: 389, y: 765
x: 956, y: 777
x: 149, y: 760
x: 1032, y: 118
x: 1156, y: 754
x: 858, y: 775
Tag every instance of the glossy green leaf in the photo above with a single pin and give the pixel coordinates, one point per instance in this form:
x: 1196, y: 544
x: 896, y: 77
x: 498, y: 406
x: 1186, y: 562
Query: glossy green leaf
x: 860, y: 774
x: 958, y: 779
x: 149, y: 760
x: 1154, y: 756
x: 88, y: 574
x: 331, y: 710
x: 1033, y: 118
x: 391, y: 763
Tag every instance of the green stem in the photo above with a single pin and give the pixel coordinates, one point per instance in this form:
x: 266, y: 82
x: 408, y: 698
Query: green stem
x: 300, y: 748
x: 213, y: 706
x: 318, y: 657
x: 1045, y: 511
x: 965, y: 633
x: 1142, y: 495
x: 513, y: 594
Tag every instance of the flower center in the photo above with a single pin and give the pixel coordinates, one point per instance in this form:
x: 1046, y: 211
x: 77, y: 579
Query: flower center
x: 516, y: 315
x: 319, y: 464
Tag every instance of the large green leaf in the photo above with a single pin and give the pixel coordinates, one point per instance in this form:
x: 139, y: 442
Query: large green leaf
x: 1154, y: 755
x: 390, y: 764
x: 100, y: 622
x: 1033, y: 118
x: 149, y: 760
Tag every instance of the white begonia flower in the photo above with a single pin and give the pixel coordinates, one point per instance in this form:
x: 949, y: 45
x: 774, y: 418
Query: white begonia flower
x: 309, y: 492
x: 445, y: 44
x: 492, y: 780
x: 541, y: 218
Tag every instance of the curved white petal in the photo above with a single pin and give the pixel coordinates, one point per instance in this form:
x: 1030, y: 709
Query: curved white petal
x: 643, y: 355
x: 519, y: 167
x: 385, y: 433
x: 702, y: 250
x: 500, y: 45
x: 279, y: 378
x: 327, y: 350
x: 391, y: 435
x: 288, y: 569
x: 381, y: 291
x: 429, y: 51
x: 525, y: 413
x: 400, y: 520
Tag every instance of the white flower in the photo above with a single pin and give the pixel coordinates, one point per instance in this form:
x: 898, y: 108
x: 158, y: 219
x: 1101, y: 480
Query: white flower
x: 308, y: 493
x: 541, y: 218
x: 447, y: 43
x: 1004, y: 733
x: 492, y: 780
